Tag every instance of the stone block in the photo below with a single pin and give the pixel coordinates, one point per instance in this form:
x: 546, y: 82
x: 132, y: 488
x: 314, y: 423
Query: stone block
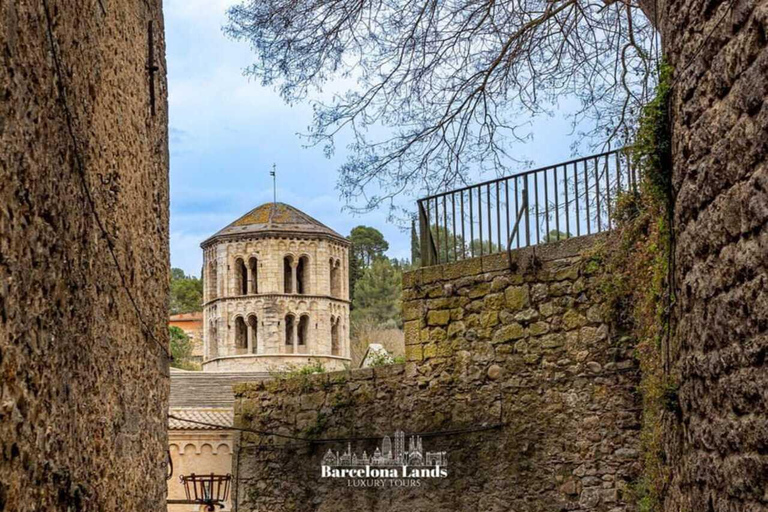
x: 573, y: 319
x: 517, y: 297
x: 508, y: 332
x: 438, y: 317
x: 413, y: 353
x: 479, y: 290
x: 494, y: 301
x: 411, y: 332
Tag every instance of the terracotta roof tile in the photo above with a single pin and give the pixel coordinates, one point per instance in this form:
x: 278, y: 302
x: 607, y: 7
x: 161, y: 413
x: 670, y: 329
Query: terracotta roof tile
x: 224, y: 417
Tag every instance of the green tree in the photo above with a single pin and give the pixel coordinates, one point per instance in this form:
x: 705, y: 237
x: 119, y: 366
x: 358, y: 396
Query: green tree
x: 415, y: 246
x: 181, y: 350
x: 555, y: 235
x: 378, y: 293
x: 450, y: 248
x: 368, y: 244
x: 186, y: 292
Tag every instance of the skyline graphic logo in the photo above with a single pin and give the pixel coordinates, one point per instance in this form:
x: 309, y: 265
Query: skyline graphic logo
x: 392, y: 464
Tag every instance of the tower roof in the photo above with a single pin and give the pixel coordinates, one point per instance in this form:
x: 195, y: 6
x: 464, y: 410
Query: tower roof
x: 276, y: 219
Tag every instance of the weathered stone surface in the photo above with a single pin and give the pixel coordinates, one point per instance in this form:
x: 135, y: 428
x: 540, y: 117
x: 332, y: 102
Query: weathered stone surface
x: 532, y: 376
x: 83, y: 385
x: 719, y: 174
x: 438, y: 317
x: 509, y: 332
x: 517, y: 297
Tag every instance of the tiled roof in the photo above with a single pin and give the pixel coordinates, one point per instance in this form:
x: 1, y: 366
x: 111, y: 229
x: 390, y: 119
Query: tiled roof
x: 207, y: 389
x: 276, y: 218
x: 186, y: 317
x: 223, y: 417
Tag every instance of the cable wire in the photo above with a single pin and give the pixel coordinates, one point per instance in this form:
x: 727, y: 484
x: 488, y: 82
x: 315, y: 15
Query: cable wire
x: 703, y: 43
x: 80, y: 166
x: 441, y: 433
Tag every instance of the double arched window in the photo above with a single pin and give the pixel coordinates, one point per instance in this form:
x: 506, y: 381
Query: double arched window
x: 246, y: 335
x: 296, y: 275
x: 246, y: 276
x: 296, y: 333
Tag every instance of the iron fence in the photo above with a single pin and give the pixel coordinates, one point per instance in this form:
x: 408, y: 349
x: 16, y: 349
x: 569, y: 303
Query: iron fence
x: 572, y: 198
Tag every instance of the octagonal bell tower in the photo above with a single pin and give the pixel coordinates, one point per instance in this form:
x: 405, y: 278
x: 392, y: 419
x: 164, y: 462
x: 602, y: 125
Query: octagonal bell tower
x: 276, y: 293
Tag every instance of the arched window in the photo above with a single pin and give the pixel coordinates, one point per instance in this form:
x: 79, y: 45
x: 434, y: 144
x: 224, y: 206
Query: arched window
x: 303, y: 332
x: 253, y: 280
x: 241, y: 277
x: 335, y: 278
x: 253, y: 338
x: 290, y: 322
x: 302, y: 274
x: 335, y: 336
x: 213, y: 280
x: 213, y: 347
x: 288, y: 274
x: 241, y: 336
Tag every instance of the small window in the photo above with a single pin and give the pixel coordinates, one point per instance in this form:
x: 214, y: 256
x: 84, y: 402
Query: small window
x: 288, y: 274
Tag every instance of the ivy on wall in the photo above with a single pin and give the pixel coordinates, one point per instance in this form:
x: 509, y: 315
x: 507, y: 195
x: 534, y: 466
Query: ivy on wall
x: 637, y: 258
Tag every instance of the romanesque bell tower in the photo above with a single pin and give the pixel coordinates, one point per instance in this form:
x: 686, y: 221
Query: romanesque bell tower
x: 276, y: 293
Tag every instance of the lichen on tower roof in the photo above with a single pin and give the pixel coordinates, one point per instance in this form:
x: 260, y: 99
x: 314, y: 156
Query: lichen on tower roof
x: 276, y: 218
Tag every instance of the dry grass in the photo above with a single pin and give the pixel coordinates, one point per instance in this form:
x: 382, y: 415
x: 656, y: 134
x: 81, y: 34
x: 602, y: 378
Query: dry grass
x: 366, y: 332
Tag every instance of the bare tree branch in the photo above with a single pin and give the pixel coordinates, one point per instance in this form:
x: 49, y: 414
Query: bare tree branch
x: 444, y: 89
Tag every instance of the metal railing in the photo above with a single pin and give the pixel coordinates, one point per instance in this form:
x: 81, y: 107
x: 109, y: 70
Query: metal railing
x: 564, y: 200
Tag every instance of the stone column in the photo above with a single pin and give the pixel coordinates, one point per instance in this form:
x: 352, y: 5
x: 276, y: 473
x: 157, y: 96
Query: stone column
x: 249, y: 336
x: 295, y: 334
x: 294, y: 277
x: 248, y: 287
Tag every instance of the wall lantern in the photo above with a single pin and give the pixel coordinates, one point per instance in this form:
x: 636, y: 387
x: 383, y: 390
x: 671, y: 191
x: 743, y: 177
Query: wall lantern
x: 209, y: 490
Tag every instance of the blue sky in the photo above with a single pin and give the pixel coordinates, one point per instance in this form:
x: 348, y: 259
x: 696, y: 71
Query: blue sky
x: 226, y: 131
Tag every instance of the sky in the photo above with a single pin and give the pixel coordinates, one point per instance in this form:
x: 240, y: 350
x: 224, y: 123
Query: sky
x: 226, y: 132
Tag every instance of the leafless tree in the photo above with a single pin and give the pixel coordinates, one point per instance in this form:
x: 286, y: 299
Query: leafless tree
x: 444, y: 88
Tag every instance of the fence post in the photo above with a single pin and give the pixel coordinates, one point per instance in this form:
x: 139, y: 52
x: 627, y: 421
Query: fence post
x: 427, y: 245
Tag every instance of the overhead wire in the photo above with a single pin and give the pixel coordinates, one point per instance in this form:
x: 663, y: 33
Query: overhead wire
x: 80, y: 166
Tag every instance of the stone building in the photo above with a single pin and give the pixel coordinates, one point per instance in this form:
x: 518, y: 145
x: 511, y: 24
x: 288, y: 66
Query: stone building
x: 192, y: 325
x: 276, y: 293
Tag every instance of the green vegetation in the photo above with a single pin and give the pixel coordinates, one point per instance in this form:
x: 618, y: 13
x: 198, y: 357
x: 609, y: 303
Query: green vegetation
x: 555, y: 236
x: 378, y: 293
x: 637, y: 289
x: 292, y: 371
x: 186, y: 292
x: 368, y: 245
x: 181, y: 350
x: 381, y: 359
x: 375, y: 283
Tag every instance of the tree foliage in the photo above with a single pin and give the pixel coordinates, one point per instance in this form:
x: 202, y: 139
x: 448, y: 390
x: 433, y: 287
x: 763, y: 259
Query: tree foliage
x: 443, y: 89
x: 181, y: 349
x: 186, y: 292
x: 367, y: 244
x: 378, y: 293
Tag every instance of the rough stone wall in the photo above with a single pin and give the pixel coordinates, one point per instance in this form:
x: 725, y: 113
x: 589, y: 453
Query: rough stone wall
x: 83, y: 390
x: 485, y: 345
x: 720, y: 179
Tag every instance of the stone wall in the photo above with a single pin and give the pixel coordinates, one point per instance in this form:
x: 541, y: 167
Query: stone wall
x: 720, y: 180
x: 83, y: 390
x: 526, y: 349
